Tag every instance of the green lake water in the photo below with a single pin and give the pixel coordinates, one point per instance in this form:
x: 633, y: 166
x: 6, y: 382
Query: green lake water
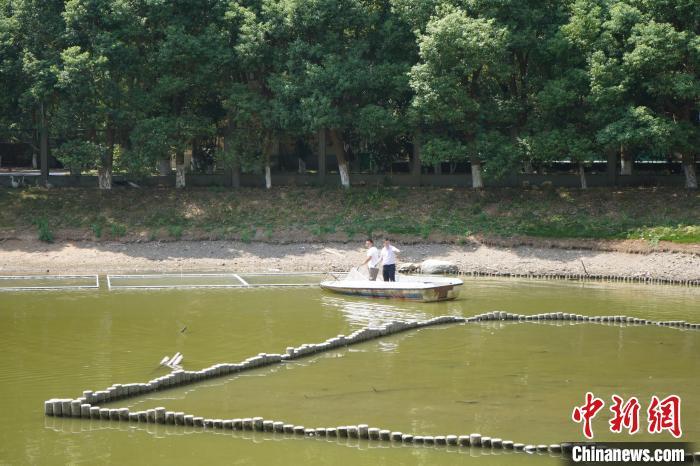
x: 517, y: 381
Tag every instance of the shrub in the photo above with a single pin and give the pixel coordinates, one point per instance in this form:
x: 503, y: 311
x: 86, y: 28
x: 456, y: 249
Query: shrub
x: 45, y: 233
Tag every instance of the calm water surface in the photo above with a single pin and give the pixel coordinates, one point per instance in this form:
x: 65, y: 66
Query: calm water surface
x: 518, y: 381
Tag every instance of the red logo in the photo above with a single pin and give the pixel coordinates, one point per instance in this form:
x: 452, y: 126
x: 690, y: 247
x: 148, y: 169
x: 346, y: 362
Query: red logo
x: 587, y: 412
x: 625, y: 416
x: 662, y: 415
x: 665, y: 415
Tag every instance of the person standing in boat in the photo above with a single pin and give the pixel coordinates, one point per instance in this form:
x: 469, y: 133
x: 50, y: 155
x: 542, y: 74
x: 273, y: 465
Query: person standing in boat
x: 388, y: 256
x: 372, y: 260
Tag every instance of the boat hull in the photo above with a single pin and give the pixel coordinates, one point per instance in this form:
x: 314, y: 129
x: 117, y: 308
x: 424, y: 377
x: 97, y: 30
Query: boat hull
x: 423, y: 292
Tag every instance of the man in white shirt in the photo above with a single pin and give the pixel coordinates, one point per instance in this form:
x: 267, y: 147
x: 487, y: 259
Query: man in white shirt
x: 388, y: 256
x: 372, y: 260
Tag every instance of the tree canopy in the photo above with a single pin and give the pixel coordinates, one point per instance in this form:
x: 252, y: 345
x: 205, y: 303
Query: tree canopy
x: 500, y: 85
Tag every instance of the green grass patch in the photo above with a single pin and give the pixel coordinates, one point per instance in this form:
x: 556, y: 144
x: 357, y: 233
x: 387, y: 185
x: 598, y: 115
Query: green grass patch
x: 175, y: 231
x: 44, y: 231
x: 96, y: 229
x: 651, y: 214
x: 117, y: 230
x: 688, y: 234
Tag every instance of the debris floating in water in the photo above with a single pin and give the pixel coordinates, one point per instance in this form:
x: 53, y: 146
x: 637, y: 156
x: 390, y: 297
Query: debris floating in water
x: 174, y: 362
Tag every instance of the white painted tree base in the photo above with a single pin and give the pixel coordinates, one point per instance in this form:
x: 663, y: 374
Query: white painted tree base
x: 582, y: 175
x: 344, y: 175
x: 477, y: 181
x: 691, y: 178
x: 180, y: 176
x: 626, y: 167
x: 104, y: 178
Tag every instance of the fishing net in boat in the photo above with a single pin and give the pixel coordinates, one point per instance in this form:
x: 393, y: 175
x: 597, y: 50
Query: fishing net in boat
x: 361, y: 273
x: 356, y: 274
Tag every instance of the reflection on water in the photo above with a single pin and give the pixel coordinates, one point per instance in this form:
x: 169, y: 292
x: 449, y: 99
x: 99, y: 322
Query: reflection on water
x: 517, y: 380
x: 655, y: 302
x: 76, y: 426
x: 253, y: 445
x: 363, y: 312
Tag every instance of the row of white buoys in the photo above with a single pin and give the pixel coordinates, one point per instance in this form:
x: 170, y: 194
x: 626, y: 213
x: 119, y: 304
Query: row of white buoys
x: 88, y: 406
x: 362, y: 431
x: 489, y: 446
x: 81, y: 407
x: 76, y: 408
x: 584, y: 277
x: 365, y: 334
x: 564, y: 316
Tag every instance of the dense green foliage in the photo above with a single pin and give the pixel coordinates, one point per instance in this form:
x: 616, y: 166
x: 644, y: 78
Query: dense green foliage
x: 500, y: 84
x: 409, y: 214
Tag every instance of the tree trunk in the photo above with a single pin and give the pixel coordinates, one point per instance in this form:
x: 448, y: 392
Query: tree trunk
x: 44, y: 146
x: 104, y: 178
x: 302, y: 166
x: 611, y: 167
x: 164, y: 168
x: 268, y: 148
x: 36, y: 140
x: 344, y: 174
x: 691, y: 178
x: 416, y: 162
x: 343, y: 168
x: 104, y: 172
x: 438, y: 168
x: 322, y: 155
x: 180, y: 181
x: 234, y: 171
x: 626, y: 162
x: 196, y: 157
x: 268, y: 176
x: 582, y: 175
x: 477, y: 181
x: 527, y: 168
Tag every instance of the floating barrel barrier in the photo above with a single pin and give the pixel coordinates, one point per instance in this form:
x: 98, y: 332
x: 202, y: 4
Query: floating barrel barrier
x: 88, y: 406
x: 582, y: 277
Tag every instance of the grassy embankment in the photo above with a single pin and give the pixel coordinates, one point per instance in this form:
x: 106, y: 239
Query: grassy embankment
x: 308, y: 214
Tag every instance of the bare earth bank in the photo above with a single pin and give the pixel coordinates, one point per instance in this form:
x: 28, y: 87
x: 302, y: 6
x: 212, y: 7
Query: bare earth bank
x: 83, y: 257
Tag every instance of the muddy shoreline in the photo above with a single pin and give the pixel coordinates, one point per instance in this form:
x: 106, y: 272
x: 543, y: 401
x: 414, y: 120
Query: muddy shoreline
x: 21, y: 256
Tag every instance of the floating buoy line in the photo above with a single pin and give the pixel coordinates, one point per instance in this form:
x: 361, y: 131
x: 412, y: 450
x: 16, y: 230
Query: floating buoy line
x: 234, y: 280
x: 91, y: 404
x: 584, y: 277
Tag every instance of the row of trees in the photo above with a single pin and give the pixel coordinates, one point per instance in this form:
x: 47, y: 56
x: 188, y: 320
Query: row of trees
x: 498, y: 83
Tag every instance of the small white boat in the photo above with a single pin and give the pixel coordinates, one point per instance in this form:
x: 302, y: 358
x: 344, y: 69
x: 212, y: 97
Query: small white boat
x: 414, y: 288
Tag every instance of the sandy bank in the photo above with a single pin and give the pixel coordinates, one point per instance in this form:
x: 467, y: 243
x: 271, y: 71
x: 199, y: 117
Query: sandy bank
x: 34, y: 257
